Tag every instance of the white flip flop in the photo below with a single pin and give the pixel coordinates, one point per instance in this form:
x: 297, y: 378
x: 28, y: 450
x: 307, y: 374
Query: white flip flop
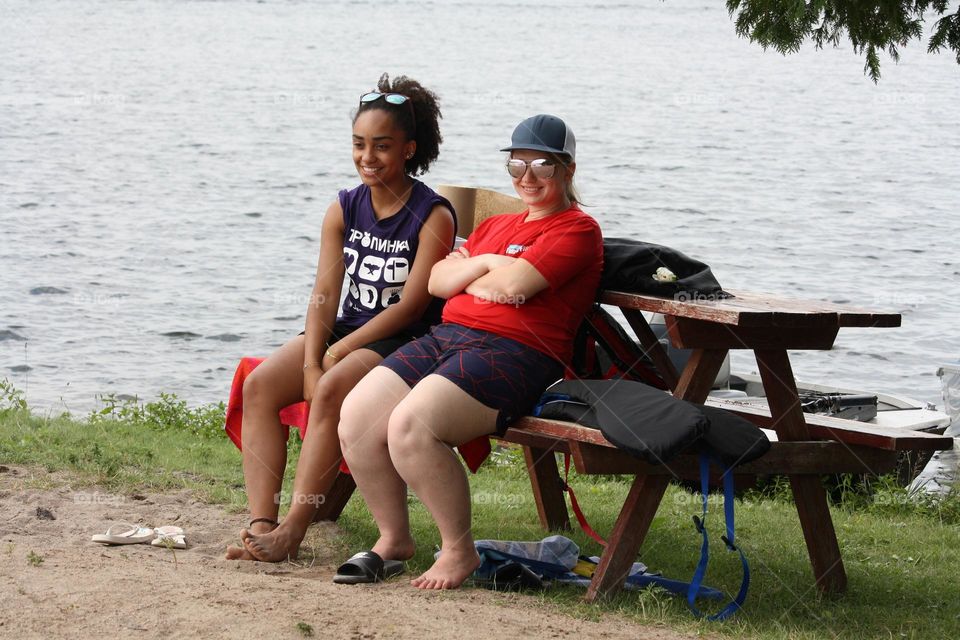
x: 125, y: 533
x: 171, y: 537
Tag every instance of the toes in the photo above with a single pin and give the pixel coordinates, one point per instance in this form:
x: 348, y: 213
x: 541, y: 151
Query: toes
x: 239, y: 553
x: 420, y: 582
x: 252, y: 546
x: 429, y: 583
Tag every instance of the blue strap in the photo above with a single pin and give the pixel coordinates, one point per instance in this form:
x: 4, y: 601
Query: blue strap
x: 674, y: 586
x: 729, y: 540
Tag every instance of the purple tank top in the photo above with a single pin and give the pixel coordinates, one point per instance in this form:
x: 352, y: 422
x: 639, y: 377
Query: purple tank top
x: 378, y: 254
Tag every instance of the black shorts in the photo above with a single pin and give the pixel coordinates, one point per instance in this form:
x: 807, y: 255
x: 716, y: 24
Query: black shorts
x: 384, y: 346
x: 501, y: 373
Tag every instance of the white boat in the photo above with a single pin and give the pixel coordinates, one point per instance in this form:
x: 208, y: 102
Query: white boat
x: 888, y: 410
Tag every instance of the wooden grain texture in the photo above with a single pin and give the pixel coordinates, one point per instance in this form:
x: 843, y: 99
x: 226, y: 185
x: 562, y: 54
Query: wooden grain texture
x: 808, y: 494
x: 558, y: 429
x: 473, y: 205
x: 557, y: 433
x: 547, y: 488
x: 336, y: 498
x: 699, y: 374
x: 652, y: 347
x: 688, y: 333
x: 628, y: 534
x: 810, y: 457
x: 756, y: 309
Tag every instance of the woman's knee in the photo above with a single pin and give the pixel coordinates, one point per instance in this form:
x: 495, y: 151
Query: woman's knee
x: 330, y: 392
x: 259, y: 391
x: 407, y: 432
x: 352, y: 420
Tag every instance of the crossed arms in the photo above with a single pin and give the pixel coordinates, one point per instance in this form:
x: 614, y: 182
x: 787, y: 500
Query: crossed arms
x: 488, y: 276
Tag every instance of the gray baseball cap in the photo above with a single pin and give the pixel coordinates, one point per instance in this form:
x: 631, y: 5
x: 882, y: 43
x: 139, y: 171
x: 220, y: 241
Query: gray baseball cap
x: 544, y: 133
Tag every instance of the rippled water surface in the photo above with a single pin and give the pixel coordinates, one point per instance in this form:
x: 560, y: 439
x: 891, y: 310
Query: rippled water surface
x: 164, y: 167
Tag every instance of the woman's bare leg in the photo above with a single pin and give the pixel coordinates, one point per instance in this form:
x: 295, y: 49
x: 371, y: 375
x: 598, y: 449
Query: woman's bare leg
x: 319, y: 459
x: 363, y: 437
x: 434, y: 416
x: 274, y: 384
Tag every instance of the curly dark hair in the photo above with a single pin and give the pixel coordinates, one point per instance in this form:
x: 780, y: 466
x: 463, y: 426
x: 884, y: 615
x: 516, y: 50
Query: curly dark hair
x: 423, y: 127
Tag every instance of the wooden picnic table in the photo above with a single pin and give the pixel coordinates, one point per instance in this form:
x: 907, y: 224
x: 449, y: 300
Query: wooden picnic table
x: 807, y: 447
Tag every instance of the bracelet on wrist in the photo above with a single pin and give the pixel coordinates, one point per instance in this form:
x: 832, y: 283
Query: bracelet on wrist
x: 310, y: 364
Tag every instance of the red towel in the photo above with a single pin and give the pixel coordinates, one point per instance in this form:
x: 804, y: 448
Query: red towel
x: 473, y: 452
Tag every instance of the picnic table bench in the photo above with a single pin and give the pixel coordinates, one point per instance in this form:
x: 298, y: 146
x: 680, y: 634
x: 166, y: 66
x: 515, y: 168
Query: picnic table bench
x: 807, y: 446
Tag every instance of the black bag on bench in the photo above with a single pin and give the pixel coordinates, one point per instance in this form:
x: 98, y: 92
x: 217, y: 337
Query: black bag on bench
x: 651, y: 424
x: 654, y: 426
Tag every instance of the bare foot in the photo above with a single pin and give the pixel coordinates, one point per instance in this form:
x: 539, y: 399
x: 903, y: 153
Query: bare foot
x: 450, y: 570
x: 395, y: 549
x: 240, y: 553
x: 283, y: 543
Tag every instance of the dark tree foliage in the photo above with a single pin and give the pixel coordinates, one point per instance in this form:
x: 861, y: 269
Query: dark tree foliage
x: 871, y: 25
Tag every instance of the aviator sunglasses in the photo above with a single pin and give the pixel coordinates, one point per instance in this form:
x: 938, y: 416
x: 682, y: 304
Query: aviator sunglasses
x: 392, y: 98
x: 541, y: 167
x: 395, y: 99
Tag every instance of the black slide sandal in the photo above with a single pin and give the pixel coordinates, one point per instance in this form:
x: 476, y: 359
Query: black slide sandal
x: 366, y: 567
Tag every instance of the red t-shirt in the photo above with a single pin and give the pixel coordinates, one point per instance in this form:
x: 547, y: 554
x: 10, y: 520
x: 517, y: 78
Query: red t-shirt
x: 567, y: 249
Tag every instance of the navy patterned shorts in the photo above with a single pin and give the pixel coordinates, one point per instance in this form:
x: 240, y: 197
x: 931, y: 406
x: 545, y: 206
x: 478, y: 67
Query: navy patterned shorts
x: 501, y: 373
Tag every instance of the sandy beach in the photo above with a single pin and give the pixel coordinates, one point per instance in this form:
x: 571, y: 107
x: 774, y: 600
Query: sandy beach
x: 55, y: 582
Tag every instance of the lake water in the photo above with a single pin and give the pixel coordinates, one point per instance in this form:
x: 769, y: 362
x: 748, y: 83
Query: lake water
x: 164, y: 167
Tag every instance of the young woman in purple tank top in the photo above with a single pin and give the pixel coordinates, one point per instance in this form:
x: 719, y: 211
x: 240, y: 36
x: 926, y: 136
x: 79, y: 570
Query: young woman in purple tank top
x: 384, y: 236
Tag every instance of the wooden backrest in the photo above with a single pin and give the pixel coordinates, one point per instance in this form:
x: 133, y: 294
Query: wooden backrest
x: 473, y: 205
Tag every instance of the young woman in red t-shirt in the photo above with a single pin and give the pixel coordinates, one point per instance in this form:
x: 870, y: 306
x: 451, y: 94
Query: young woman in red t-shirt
x: 516, y: 292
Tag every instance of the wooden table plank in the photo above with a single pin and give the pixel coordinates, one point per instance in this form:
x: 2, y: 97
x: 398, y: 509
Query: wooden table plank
x: 689, y: 333
x: 530, y: 430
x: 811, y: 457
x: 756, y: 310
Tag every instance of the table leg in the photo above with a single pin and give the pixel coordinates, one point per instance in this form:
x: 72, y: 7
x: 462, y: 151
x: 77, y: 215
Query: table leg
x: 547, y: 488
x: 652, y: 347
x: 699, y: 375
x: 646, y: 492
x: 336, y: 498
x: 808, y: 493
x: 631, y: 528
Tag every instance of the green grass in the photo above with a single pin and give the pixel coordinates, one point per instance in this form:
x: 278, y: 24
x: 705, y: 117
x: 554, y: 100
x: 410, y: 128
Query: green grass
x: 901, y: 553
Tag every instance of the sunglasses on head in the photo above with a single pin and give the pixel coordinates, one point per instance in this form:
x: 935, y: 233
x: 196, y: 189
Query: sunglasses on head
x: 395, y: 99
x: 542, y: 168
x: 392, y: 98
